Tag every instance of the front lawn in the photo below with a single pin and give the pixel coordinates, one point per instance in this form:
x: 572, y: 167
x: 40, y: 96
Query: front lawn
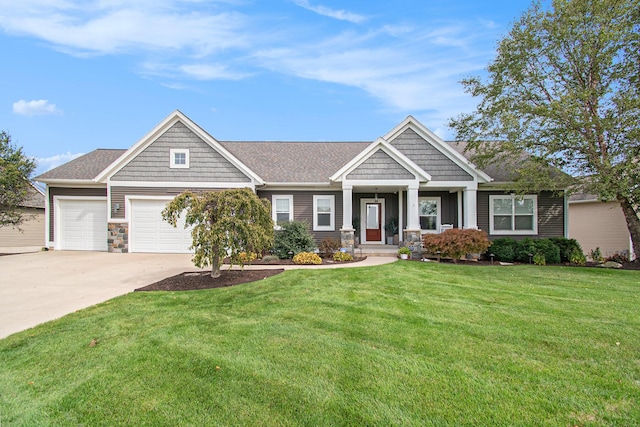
x: 403, y: 344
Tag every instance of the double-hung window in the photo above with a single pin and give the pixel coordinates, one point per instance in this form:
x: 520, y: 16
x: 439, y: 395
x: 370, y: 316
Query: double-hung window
x: 282, y: 208
x: 179, y: 158
x: 324, y: 213
x: 513, y: 214
x: 429, y: 210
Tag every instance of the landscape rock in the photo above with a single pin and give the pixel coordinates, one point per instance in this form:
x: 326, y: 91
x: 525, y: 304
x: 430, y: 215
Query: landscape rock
x: 610, y: 264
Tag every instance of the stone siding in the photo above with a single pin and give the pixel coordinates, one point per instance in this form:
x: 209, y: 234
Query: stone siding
x: 118, y: 237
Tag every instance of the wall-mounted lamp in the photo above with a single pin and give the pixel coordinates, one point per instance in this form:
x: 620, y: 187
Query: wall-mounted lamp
x: 116, y: 207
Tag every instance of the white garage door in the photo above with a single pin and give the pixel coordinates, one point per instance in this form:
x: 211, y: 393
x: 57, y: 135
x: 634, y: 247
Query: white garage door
x: 149, y: 233
x: 82, y: 225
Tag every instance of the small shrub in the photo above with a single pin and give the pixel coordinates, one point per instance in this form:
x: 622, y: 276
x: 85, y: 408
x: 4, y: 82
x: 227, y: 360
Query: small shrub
x: 539, y: 259
x: 524, y: 248
x: 550, y: 251
x: 329, y: 246
x: 270, y: 258
x: 456, y: 243
x: 567, y: 247
x: 503, y: 249
x: 578, y: 258
x: 307, y: 258
x: 342, y: 256
x: 292, y: 238
x: 595, y: 255
x: 620, y: 258
x: 246, y: 257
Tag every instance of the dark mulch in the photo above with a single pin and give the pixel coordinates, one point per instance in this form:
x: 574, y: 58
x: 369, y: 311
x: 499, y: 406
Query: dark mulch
x: 192, y: 281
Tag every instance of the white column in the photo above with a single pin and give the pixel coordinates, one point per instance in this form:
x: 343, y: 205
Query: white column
x: 400, y: 213
x: 470, y: 197
x: 413, y: 217
x: 460, y: 210
x: 347, y: 208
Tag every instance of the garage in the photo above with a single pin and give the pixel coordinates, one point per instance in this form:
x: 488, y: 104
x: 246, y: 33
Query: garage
x: 82, y: 224
x: 149, y: 233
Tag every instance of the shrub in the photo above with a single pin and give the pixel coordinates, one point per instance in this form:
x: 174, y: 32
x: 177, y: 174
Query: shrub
x: 342, y: 256
x: 404, y: 250
x: 550, y: 251
x: 617, y: 258
x: 292, y: 238
x: 270, y: 258
x: 329, y: 246
x: 567, y: 247
x: 307, y: 258
x: 504, y: 249
x: 539, y: 259
x: 596, y: 255
x: 524, y: 248
x: 246, y: 257
x: 577, y: 257
x: 456, y: 243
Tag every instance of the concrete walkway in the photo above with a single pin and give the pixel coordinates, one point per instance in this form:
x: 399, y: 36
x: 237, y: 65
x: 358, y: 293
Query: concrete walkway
x: 43, y: 286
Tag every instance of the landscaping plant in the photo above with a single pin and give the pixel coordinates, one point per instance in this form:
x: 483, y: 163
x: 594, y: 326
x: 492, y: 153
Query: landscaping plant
x: 292, y: 238
x: 456, y: 243
x: 307, y: 258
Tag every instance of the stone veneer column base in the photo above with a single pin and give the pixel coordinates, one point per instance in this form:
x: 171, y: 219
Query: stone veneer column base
x: 348, y: 240
x: 413, y: 240
x: 118, y: 237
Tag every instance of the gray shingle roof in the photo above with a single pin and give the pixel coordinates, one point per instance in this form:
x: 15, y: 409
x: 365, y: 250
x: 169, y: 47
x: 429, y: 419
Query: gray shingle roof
x: 85, y: 167
x: 35, y: 198
x: 295, y: 162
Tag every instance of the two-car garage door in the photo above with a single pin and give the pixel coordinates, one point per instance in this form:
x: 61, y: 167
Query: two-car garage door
x: 149, y: 233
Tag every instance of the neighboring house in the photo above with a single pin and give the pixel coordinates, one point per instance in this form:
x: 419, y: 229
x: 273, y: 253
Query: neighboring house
x: 30, y: 236
x: 596, y: 224
x: 112, y: 199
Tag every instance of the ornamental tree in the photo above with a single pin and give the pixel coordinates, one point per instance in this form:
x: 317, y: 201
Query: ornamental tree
x: 15, y: 172
x: 225, y: 223
x: 564, y: 88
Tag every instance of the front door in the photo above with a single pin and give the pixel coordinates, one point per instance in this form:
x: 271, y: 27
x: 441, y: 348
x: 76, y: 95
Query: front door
x: 374, y: 223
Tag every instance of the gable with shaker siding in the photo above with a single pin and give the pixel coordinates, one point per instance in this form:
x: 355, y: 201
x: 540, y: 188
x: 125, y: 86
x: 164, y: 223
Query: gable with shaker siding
x: 380, y: 166
x: 205, y: 164
x: 429, y: 158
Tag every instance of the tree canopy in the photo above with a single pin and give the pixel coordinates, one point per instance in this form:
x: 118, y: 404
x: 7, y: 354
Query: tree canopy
x: 225, y: 223
x: 564, y: 88
x: 15, y: 173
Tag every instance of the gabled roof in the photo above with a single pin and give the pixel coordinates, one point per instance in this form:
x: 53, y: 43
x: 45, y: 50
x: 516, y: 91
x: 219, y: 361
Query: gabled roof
x: 438, y: 143
x: 381, y: 145
x: 162, y: 127
x: 294, y: 162
x: 83, y: 168
x: 35, y: 197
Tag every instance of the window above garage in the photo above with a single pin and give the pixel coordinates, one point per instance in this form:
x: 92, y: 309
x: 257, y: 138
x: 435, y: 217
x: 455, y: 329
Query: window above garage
x: 179, y: 158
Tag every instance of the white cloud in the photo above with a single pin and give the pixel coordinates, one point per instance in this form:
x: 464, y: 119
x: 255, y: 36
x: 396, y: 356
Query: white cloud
x: 211, y: 72
x: 47, y: 163
x: 341, y: 15
x: 35, y: 108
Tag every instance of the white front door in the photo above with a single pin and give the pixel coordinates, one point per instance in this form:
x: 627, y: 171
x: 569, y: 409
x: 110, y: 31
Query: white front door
x: 149, y: 233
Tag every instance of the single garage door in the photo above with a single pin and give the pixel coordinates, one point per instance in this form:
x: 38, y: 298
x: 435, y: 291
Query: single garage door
x: 149, y: 233
x: 83, y: 225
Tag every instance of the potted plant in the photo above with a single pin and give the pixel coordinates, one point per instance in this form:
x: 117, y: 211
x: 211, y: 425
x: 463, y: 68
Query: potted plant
x: 392, y: 227
x: 404, y: 252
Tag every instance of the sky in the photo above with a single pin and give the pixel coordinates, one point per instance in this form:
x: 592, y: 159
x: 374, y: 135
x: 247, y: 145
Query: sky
x: 85, y: 74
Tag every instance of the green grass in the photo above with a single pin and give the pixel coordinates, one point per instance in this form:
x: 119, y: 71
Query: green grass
x: 403, y: 344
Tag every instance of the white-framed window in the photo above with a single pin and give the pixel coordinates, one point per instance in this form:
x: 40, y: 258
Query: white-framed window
x: 324, y: 209
x: 282, y: 208
x: 513, y: 214
x: 179, y: 158
x: 429, y: 211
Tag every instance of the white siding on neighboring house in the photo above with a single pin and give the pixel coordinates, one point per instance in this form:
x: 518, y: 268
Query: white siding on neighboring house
x: 31, y: 238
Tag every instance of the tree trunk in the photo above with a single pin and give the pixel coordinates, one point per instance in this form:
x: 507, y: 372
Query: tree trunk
x: 215, y: 268
x: 633, y: 224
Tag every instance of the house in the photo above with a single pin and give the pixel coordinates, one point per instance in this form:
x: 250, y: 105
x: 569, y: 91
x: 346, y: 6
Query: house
x: 110, y: 200
x: 30, y: 236
x: 597, y: 224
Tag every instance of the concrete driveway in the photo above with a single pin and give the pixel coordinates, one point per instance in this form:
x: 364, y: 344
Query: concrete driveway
x: 42, y: 286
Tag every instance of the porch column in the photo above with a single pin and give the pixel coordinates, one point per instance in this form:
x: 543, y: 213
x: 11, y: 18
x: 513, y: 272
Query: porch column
x: 347, y: 208
x: 400, y: 214
x: 470, y: 197
x: 413, y: 218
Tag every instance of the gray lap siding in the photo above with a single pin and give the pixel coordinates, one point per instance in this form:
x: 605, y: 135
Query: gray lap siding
x: 550, y: 215
x: 117, y: 196
x: 303, y: 209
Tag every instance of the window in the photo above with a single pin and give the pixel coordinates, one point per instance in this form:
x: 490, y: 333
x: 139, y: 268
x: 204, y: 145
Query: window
x: 323, y: 213
x: 282, y: 208
x: 179, y: 158
x: 429, y: 210
x: 513, y: 214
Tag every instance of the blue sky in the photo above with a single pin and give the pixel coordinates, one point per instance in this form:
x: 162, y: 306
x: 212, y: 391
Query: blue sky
x: 87, y: 74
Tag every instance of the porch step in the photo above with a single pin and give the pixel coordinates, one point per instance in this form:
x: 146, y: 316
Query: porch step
x: 376, y: 250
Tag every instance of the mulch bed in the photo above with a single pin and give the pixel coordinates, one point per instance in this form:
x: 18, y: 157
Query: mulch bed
x: 191, y: 281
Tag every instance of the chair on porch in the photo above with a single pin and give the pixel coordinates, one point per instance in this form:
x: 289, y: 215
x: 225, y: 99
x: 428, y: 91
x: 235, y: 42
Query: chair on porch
x: 444, y: 227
